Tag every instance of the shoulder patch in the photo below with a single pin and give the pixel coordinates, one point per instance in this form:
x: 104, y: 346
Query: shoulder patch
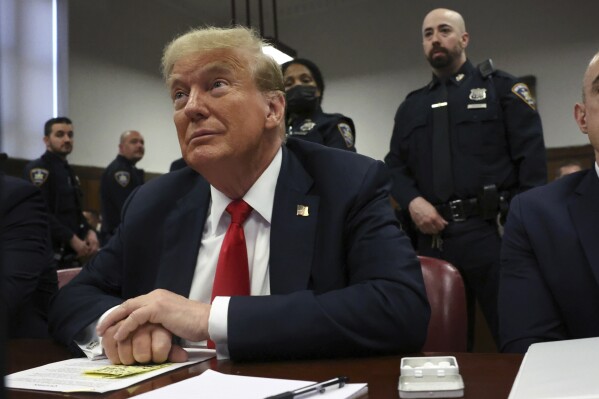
x: 346, y: 132
x: 122, y: 177
x: 38, y: 176
x: 521, y: 90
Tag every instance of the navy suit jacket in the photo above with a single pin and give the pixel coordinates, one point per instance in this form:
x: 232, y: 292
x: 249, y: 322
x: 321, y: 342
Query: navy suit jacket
x: 344, y: 280
x: 549, y: 287
x: 27, y: 267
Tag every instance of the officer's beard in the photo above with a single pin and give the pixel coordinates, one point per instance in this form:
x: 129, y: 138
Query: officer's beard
x: 440, y: 62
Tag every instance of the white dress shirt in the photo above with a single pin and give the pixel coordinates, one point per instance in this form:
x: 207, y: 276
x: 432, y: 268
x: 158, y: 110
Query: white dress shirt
x: 257, y: 237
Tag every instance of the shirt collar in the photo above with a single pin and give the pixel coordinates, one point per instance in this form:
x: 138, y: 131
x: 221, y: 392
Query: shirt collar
x: 466, y: 70
x: 260, y: 196
x: 122, y: 158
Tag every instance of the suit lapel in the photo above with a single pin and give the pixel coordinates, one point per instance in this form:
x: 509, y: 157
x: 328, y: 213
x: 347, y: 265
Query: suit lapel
x: 584, y: 210
x: 293, y: 228
x: 183, y: 230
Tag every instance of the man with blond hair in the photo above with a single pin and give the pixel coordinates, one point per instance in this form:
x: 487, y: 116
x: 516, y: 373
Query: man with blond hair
x: 549, y: 258
x: 268, y: 250
x: 461, y: 147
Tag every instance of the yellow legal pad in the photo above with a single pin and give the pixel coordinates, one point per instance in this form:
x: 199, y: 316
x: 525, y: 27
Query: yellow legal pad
x: 122, y: 371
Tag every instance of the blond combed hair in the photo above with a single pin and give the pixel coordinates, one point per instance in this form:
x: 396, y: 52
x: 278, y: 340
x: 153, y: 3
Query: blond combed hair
x: 265, y: 71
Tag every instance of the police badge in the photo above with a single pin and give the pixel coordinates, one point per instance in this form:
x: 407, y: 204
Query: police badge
x: 478, y: 94
x: 122, y: 177
x: 38, y: 176
x: 307, y: 126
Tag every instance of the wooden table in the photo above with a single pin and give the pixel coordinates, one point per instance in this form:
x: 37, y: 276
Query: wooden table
x: 488, y: 376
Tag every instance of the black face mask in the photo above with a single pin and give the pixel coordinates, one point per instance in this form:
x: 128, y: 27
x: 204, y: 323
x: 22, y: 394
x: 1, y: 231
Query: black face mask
x: 301, y: 99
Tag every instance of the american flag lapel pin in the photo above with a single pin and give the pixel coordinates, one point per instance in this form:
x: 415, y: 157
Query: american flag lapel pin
x: 303, y: 210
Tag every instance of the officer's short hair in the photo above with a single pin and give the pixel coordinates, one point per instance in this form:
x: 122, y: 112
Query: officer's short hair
x: 51, y: 122
x: 313, y: 70
x: 265, y: 70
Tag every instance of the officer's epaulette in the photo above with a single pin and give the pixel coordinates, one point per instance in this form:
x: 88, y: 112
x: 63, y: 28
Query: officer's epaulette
x: 486, y: 68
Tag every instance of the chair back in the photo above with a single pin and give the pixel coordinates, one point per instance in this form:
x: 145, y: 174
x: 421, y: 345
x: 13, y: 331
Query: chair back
x: 448, y: 326
x: 66, y: 275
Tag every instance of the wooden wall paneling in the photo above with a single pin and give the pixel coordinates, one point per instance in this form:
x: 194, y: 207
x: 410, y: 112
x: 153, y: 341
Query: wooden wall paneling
x: 557, y: 156
x: 90, y: 176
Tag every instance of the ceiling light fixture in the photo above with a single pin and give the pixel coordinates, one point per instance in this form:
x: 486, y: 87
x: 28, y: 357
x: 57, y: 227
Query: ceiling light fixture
x: 276, y: 49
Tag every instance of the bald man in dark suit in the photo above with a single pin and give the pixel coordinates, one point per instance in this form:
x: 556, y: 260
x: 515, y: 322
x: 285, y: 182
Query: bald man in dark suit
x: 549, y: 287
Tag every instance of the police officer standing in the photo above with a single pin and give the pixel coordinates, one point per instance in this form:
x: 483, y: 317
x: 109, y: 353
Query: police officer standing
x: 461, y: 147
x: 119, y: 179
x: 72, y: 238
x: 304, y: 88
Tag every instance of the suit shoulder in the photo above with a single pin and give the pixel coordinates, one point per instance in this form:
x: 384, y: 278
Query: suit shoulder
x: 309, y: 152
x: 555, y: 191
x: 12, y: 185
x: 172, y: 183
x: 18, y: 191
x: 332, y: 166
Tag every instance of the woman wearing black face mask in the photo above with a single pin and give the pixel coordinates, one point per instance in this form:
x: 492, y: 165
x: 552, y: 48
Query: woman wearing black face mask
x: 304, y: 87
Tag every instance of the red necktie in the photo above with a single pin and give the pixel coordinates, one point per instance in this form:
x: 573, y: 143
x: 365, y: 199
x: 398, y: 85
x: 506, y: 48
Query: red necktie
x: 232, y: 276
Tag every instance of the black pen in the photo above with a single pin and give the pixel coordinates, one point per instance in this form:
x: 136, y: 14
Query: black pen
x: 314, y: 389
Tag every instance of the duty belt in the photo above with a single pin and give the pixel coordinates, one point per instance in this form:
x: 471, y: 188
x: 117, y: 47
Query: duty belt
x: 459, y: 210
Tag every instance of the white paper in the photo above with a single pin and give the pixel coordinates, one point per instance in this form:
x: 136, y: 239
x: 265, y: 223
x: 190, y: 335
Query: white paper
x: 212, y: 384
x: 67, y: 375
x: 560, y: 369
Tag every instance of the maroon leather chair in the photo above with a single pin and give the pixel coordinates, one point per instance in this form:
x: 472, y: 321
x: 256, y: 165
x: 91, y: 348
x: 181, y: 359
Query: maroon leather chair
x: 447, y: 329
x: 66, y: 275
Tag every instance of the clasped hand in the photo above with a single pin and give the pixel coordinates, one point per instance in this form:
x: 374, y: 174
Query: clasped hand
x: 141, y: 329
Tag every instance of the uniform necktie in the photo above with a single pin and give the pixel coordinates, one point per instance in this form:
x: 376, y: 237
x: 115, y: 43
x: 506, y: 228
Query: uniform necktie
x: 232, y: 276
x: 442, y: 170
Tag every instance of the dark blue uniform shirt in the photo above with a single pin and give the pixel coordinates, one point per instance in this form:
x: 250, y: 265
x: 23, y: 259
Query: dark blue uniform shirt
x: 119, y: 180
x: 331, y: 130
x: 495, y: 132
x: 62, y: 193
